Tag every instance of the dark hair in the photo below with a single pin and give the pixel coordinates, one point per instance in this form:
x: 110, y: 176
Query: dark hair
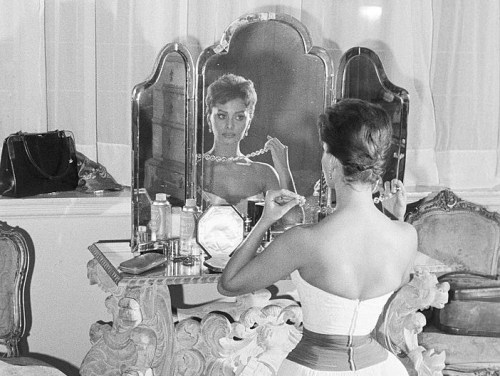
x: 229, y: 87
x: 358, y: 134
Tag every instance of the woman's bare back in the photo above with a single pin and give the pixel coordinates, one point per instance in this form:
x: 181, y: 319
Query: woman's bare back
x: 358, y: 255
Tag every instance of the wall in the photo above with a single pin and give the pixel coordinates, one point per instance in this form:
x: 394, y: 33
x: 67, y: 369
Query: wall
x: 63, y: 304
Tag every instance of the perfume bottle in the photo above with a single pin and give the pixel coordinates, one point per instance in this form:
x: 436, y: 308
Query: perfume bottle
x: 190, y: 251
x: 161, y: 218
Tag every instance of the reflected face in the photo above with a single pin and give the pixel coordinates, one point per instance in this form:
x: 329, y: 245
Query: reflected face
x: 229, y: 121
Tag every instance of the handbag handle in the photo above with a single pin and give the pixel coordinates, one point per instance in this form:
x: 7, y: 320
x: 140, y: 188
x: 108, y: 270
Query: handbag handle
x: 30, y: 157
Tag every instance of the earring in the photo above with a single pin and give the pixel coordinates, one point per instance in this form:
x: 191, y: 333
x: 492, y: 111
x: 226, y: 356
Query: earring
x: 332, y: 169
x: 246, y: 133
x: 209, y: 130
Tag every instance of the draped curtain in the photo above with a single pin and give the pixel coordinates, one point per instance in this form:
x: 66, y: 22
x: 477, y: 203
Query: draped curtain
x: 73, y: 64
x: 22, y: 67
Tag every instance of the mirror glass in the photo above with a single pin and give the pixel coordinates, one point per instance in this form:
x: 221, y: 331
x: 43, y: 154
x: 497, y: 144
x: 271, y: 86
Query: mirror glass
x: 361, y: 75
x: 162, y: 133
x: 292, y: 79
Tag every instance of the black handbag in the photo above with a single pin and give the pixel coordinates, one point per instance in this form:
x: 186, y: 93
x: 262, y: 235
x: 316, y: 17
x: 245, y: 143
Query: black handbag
x: 34, y: 163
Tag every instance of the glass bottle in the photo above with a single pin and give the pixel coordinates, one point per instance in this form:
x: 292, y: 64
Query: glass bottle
x: 190, y: 251
x: 144, y: 206
x: 161, y: 218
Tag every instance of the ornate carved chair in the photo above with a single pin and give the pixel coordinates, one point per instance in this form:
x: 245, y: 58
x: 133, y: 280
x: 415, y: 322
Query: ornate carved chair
x: 15, y: 256
x: 462, y: 237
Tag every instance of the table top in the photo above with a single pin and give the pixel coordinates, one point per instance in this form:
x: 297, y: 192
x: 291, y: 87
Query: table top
x: 110, y: 253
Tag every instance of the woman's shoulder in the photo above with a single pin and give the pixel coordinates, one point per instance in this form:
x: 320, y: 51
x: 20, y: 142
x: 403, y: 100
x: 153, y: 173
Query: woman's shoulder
x: 266, y: 173
x: 405, y: 228
x: 262, y: 167
x: 298, y: 233
x: 307, y: 234
x: 406, y: 239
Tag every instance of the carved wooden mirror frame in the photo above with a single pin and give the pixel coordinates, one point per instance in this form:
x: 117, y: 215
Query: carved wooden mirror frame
x: 163, y: 134
x: 361, y: 75
x: 293, y: 80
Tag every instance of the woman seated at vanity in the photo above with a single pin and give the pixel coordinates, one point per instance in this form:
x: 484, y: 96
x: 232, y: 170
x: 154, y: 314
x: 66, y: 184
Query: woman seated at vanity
x: 345, y: 267
x: 229, y: 176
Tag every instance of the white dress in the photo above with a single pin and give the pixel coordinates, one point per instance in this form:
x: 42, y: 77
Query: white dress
x: 329, y: 314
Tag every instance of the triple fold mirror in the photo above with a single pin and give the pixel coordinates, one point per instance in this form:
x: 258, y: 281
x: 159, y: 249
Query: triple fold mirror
x: 294, y: 81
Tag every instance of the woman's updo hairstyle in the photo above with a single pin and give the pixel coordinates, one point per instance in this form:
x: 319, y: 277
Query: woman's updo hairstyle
x: 358, y: 134
x: 229, y: 87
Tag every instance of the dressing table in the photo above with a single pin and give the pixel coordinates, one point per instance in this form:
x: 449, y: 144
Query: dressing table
x: 252, y: 334
x: 248, y: 336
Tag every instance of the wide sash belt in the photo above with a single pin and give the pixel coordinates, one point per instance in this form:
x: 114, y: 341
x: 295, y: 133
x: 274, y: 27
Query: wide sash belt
x: 324, y: 352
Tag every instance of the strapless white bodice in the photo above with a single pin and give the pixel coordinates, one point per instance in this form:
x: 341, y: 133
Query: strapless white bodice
x: 241, y: 206
x: 331, y: 314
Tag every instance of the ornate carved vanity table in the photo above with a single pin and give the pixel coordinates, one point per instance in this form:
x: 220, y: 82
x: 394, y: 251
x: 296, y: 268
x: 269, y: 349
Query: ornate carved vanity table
x: 143, y: 337
x: 142, y: 333
x: 253, y: 334
x: 250, y: 336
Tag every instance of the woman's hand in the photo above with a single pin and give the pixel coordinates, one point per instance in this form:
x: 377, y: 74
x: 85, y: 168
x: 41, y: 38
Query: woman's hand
x: 279, y: 152
x: 279, y: 202
x: 394, y: 198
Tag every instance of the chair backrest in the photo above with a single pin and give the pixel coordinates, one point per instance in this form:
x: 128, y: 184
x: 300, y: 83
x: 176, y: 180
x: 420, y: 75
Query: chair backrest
x: 14, y: 267
x: 459, y: 233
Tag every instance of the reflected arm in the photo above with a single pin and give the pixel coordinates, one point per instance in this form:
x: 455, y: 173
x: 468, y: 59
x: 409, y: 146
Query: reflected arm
x: 395, y: 199
x: 285, y: 176
x: 279, y: 153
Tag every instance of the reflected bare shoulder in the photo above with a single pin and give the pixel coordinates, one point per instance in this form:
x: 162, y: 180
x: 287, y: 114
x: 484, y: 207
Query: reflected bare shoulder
x: 267, y: 175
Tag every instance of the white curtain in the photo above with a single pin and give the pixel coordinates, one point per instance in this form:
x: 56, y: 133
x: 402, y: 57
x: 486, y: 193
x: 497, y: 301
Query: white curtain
x: 22, y: 67
x: 465, y: 76
x: 73, y: 64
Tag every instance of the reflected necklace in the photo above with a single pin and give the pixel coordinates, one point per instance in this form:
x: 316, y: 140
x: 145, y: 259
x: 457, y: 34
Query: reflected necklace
x: 215, y: 158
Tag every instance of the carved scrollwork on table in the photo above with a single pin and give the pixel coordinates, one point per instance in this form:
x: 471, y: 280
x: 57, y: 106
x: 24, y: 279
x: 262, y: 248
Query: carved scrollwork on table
x: 255, y: 344
x: 138, y: 342
x: 248, y: 337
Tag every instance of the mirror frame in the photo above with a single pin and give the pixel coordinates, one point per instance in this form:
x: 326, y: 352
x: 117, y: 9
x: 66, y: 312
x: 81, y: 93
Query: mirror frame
x: 223, y: 46
x: 189, y: 127
x: 400, y: 139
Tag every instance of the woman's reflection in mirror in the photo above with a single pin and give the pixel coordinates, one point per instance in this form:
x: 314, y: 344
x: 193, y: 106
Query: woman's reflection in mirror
x: 229, y: 176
